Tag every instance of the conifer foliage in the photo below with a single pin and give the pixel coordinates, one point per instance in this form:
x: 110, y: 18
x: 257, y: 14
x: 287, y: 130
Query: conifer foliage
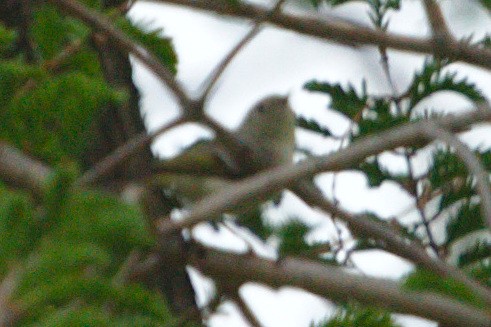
x: 78, y: 253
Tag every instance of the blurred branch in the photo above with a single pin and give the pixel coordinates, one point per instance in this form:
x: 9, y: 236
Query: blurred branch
x: 244, y: 308
x: 192, y: 109
x: 392, y: 241
x: 337, y: 284
x: 7, y: 288
x: 263, y: 184
x: 19, y: 170
x: 274, y: 180
x: 342, y: 32
x: 334, y: 283
x: 122, y: 153
x: 245, y: 40
x: 441, y: 34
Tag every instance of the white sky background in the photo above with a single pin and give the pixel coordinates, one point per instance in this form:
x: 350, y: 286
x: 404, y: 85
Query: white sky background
x: 279, y: 61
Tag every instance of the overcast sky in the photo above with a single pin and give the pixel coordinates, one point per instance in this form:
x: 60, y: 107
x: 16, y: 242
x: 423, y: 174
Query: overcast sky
x: 279, y: 61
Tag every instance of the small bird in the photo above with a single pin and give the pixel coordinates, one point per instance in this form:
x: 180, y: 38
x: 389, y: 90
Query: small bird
x: 267, y: 133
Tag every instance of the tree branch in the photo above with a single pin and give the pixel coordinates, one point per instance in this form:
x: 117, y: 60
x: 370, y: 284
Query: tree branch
x: 273, y: 180
x: 8, y: 286
x: 245, y: 40
x: 122, y: 153
x: 246, y: 311
x: 336, y: 284
x: 263, y: 184
x: 19, y: 170
x: 341, y: 32
x: 437, y: 22
x: 392, y: 241
x: 333, y: 283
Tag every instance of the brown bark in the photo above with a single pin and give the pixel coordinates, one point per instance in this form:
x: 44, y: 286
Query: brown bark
x: 114, y: 127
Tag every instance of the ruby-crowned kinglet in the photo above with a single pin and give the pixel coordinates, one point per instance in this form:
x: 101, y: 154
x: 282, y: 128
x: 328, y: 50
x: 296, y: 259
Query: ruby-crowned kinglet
x: 268, y: 134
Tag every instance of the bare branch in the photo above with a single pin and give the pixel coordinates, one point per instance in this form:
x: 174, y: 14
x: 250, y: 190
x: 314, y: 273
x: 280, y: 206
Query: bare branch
x: 337, y: 284
x: 263, y: 184
x: 226, y: 61
x: 472, y: 163
x: 122, y: 153
x: 245, y: 40
x: 19, y: 170
x: 7, y: 288
x: 220, y: 262
x: 342, y: 32
x: 192, y: 110
x: 392, y: 241
x: 246, y: 311
x: 441, y: 33
x: 274, y: 180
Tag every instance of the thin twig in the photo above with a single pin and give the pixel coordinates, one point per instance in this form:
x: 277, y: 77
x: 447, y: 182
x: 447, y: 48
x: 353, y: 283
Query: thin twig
x: 231, y: 229
x: 412, y: 187
x: 244, y: 308
x: 237, y: 48
x: 122, y: 153
x: 420, y: 208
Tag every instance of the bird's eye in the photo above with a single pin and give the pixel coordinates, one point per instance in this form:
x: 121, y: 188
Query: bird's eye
x: 261, y: 108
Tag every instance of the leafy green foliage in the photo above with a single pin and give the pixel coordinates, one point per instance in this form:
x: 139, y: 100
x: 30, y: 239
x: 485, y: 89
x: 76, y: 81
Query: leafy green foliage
x: 254, y: 221
x: 356, y: 316
x: 447, y: 179
x: 72, y: 265
x: 376, y: 174
x: 15, y: 75
x: 346, y: 101
x: 482, y: 271
x: 292, y: 238
x: 47, y: 22
x: 68, y: 247
x: 468, y: 219
x: 104, y: 220
x: 71, y: 251
x: 7, y: 38
x: 67, y: 117
x: 17, y: 227
x: 376, y: 5
x: 486, y: 4
x: 153, y: 40
x: 478, y: 253
x: 374, y: 114
x: 312, y: 125
x: 449, y: 173
x: 421, y: 280
x: 379, y: 11
x: 380, y: 115
x: 431, y: 79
